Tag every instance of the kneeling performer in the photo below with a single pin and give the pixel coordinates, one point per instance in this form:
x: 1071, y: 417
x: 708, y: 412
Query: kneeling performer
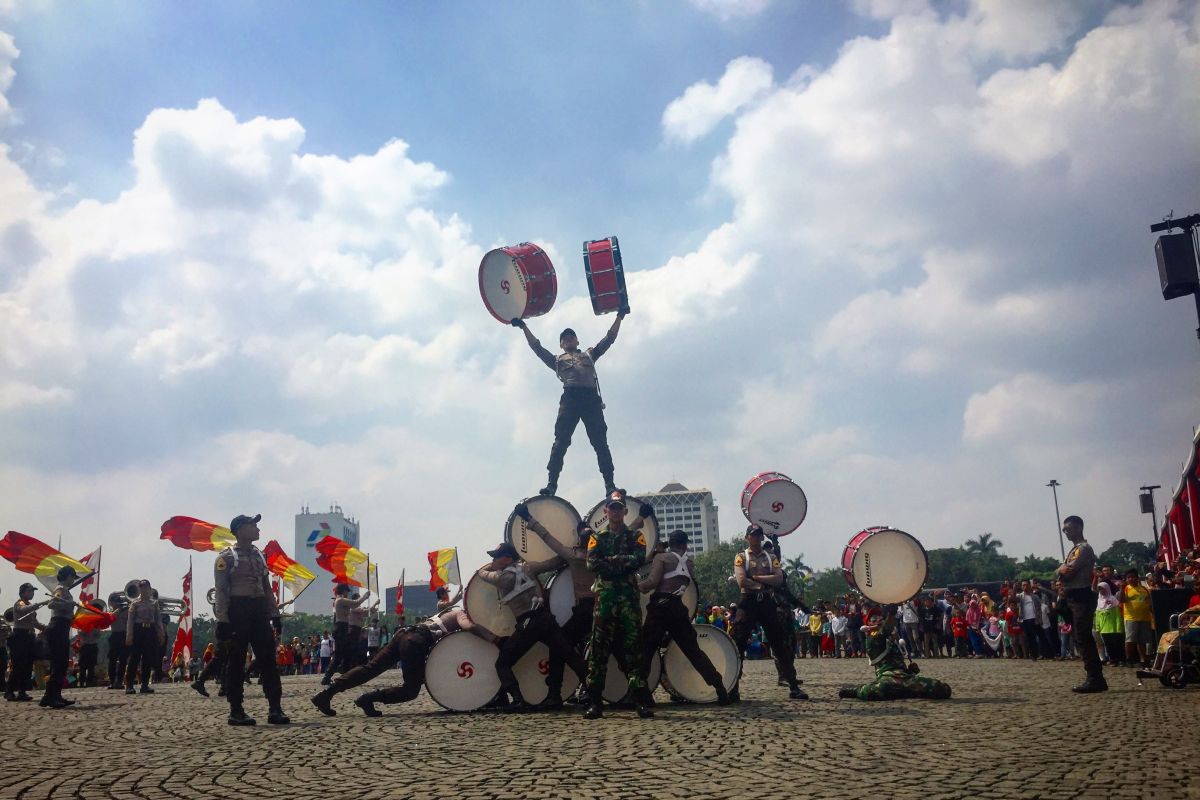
x: 666, y: 617
x: 893, y: 678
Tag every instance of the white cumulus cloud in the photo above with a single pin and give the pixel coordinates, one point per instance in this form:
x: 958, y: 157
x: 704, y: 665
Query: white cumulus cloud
x: 702, y: 106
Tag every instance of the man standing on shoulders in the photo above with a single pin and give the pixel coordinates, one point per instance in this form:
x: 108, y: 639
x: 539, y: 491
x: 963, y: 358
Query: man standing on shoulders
x: 247, y: 616
x: 1076, y: 576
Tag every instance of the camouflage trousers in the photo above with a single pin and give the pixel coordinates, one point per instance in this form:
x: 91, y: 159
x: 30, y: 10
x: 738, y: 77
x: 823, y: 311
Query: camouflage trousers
x: 900, y: 685
x: 617, y: 619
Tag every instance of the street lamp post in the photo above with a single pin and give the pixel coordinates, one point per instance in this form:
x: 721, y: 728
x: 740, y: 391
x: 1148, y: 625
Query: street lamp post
x: 1147, y: 498
x: 1053, y: 484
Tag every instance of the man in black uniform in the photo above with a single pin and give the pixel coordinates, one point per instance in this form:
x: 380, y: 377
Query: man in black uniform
x: 215, y: 666
x: 143, y: 636
x: 666, y: 617
x: 89, y: 649
x: 58, y: 636
x: 247, y: 615
x: 580, y: 398
x: 344, y: 649
x: 758, y: 574
x: 117, y: 652
x: 20, y: 644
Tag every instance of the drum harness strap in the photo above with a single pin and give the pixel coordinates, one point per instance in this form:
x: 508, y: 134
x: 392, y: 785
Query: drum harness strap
x: 521, y: 584
x: 761, y: 593
x: 680, y: 571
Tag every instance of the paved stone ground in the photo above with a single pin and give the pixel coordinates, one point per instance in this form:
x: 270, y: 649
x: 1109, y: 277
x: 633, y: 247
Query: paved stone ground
x: 1013, y: 730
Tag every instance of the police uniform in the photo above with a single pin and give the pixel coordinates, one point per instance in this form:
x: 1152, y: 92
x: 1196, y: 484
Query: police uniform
x: 615, y: 555
x: 246, y: 606
x: 58, y: 637
x: 145, y: 630
x: 342, y: 647
x: 20, y: 646
x: 1082, y: 599
x: 118, y: 652
x: 893, y: 680
x: 757, y: 606
x: 354, y: 634
x: 89, y: 650
x: 410, y: 647
x: 580, y: 401
x: 521, y: 592
x: 5, y: 632
x: 668, y: 620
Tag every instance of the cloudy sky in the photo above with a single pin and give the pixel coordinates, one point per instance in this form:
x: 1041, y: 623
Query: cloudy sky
x: 897, y: 250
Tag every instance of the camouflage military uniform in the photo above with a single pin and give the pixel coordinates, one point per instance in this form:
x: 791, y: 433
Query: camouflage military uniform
x: 615, y: 556
x: 893, y: 681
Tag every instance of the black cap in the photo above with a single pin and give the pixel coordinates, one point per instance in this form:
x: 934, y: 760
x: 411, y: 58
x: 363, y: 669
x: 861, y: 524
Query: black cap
x: 342, y: 588
x: 242, y: 519
x: 66, y: 574
x: 677, y: 537
x: 755, y: 530
x: 567, y: 332
x: 504, y: 549
x: 615, y: 499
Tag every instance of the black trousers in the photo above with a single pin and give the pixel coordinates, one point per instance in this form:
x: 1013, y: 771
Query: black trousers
x: 577, y: 630
x: 142, y: 653
x: 341, y: 649
x: 533, y: 627
x: 580, y: 404
x: 1035, y: 640
x: 409, y: 647
x: 668, y: 621
x: 118, y: 654
x: 20, y: 649
x: 251, y: 623
x: 753, y: 610
x: 58, y: 637
x: 1082, y: 603
x: 216, y: 667
x: 88, y: 655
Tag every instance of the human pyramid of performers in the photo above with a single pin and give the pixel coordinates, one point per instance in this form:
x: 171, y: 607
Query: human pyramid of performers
x: 602, y: 630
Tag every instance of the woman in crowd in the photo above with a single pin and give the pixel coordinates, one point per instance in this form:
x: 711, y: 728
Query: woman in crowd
x: 1108, y: 626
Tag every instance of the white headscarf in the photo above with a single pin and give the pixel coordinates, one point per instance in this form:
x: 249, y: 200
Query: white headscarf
x: 1106, y: 599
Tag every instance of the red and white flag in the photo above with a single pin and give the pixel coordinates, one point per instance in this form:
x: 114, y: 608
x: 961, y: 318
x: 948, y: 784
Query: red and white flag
x: 183, y: 636
x: 91, y: 584
x: 400, y: 596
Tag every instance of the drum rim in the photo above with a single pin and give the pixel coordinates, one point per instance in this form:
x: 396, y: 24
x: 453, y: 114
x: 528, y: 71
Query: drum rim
x: 531, y: 309
x: 848, y: 574
x: 542, y: 498
x: 430, y: 692
x: 737, y: 660
x: 746, y: 502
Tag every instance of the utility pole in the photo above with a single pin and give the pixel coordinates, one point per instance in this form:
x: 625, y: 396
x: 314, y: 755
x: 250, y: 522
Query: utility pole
x: 1053, y: 484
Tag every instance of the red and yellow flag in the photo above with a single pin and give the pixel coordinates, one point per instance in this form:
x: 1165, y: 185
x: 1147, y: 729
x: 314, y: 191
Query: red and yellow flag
x: 38, y: 558
x: 443, y: 568
x: 92, y: 620
x: 194, y: 534
x: 348, y: 564
x: 295, y: 576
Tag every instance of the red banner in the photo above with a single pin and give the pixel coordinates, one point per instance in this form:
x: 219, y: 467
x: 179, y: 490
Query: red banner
x: 183, y: 636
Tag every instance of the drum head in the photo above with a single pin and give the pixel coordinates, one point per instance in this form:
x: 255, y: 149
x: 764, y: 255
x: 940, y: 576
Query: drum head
x: 889, y: 566
x: 778, y: 505
x: 460, y: 672
x: 597, y: 518
x: 532, y: 670
x: 561, y: 596
x: 556, y: 515
x: 691, y: 599
x: 482, y: 604
x: 502, y: 285
x: 682, y: 677
x: 616, y: 683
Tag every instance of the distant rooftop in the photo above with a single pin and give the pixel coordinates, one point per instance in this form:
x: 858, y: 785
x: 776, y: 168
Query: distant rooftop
x: 673, y: 487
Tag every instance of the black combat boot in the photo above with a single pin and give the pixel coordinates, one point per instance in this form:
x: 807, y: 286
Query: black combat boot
x: 518, y: 704
x: 321, y: 701
x: 723, y: 698
x: 238, y: 716
x: 796, y: 693
x: 550, y: 488
x: 367, y: 703
x: 275, y: 716
x: 198, y: 685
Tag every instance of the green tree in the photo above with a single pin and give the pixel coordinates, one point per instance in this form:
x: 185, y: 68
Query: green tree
x: 826, y: 584
x: 1040, y: 567
x: 986, y: 544
x: 714, y: 568
x: 1123, y: 554
x: 799, y: 575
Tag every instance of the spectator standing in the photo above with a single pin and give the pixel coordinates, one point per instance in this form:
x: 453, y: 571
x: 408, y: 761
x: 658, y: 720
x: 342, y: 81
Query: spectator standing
x: 1135, y: 612
x: 1109, y: 626
x: 931, y: 627
x: 912, y: 627
x: 1030, y: 605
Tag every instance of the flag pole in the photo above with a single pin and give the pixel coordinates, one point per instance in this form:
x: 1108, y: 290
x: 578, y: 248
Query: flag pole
x: 458, y: 567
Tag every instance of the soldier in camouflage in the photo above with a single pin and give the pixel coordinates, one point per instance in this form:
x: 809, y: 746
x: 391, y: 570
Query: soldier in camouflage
x: 893, y: 678
x: 614, y: 554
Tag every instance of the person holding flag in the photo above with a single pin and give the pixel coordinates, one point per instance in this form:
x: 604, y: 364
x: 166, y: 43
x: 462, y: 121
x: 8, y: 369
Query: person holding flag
x: 58, y: 637
x: 246, y: 614
x: 343, y: 645
x: 20, y: 644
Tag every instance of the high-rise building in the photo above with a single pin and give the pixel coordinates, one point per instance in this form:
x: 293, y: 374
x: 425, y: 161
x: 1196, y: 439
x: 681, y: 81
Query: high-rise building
x: 690, y: 510
x: 311, y: 528
x: 419, y: 602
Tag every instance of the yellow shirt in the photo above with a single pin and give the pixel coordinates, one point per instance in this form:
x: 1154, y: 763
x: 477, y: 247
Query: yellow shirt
x: 1135, y: 604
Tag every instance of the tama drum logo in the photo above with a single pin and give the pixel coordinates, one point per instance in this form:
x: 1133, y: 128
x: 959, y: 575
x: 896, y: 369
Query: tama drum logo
x: 505, y: 286
x: 867, y: 566
x: 544, y: 666
x: 777, y: 506
x: 466, y: 669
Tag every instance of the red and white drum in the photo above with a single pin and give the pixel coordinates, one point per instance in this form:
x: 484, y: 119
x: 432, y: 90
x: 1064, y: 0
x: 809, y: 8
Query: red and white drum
x: 884, y: 564
x: 533, y: 668
x: 481, y: 601
x: 681, y: 678
x: 596, y: 519
x: 774, y: 501
x: 555, y: 514
x: 460, y: 672
x: 517, y: 282
x: 605, y: 275
x: 616, y: 682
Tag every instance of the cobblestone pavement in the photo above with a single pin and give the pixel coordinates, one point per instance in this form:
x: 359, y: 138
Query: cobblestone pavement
x: 1013, y: 730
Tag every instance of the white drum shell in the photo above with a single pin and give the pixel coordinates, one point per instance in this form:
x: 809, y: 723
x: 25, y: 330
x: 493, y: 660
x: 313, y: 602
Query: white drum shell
x: 777, y: 503
x: 890, y: 567
x: 682, y: 678
x: 482, y: 604
x: 532, y: 670
x: 561, y: 596
x: 498, y: 268
x: 460, y: 672
x: 616, y: 682
x: 556, y: 515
